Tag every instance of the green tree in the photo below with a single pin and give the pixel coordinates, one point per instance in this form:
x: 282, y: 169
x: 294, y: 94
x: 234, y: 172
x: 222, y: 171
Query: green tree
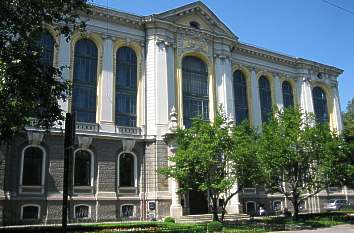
x: 29, y: 88
x: 300, y: 157
x: 211, y: 157
x: 348, y: 132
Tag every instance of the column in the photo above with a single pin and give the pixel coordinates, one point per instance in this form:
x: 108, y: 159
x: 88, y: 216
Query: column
x: 337, y: 117
x: 305, y: 94
x: 107, y: 87
x: 256, y: 105
x: 278, y: 92
x: 223, y: 73
x: 64, y: 61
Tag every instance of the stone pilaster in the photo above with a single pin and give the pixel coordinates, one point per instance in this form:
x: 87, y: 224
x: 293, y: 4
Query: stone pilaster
x: 337, y: 123
x: 64, y: 62
x: 278, y: 92
x: 305, y: 94
x: 256, y: 105
x: 107, y: 87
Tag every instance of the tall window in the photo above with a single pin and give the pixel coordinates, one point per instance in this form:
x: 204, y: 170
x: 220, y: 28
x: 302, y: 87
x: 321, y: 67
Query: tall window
x: 195, y: 90
x: 288, y: 98
x: 85, y: 81
x: 240, y: 96
x: 320, y: 104
x: 32, y: 170
x: 126, y: 87
x: 46, y: 42
x: 82, y: 168
x: 126, y: 170
x: 265, y: 96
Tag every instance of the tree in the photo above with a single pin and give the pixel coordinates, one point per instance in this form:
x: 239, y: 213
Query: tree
x: 348, y: 133
x: 28, y: 87
x: 211, y: 157
x: 300, y: 157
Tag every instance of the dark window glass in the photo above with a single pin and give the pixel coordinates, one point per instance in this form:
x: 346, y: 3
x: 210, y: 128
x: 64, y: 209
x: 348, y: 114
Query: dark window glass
x: 195, y: 90
x: 126, y: 87
x: 46, y: 42
x: 127, y: 211
x: 240, y: 96
x: 288, y: 98
x: 85, y: 81
x: 82, y: 168
x: 30, y: 212
x: 32, y: 166
x: 126, y: 170
x: 82, y: 211
x: 265, y: 96
x: 320, y: 104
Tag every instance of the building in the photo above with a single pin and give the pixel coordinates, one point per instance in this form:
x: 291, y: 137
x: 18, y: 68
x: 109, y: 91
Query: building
x: 134, y: 80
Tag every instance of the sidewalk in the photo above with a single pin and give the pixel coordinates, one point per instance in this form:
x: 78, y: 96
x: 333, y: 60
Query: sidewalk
x: 336, y: 229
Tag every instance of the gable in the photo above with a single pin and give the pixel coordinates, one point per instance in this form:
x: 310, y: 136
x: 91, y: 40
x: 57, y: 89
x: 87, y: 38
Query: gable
x: 200, y: 13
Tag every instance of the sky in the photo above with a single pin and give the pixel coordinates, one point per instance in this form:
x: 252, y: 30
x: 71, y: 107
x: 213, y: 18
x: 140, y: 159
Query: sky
x: 310, y: 29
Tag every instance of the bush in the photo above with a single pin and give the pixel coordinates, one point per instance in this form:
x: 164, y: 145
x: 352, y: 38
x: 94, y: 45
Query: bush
x: 169, y: 220
x: 215, y: 226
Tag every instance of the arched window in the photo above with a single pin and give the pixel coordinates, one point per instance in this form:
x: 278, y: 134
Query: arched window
x: 288, y: 98
x: 32, y: 167
x: 320, y: 104
x: 30, y: 212
x: 126, y: 87
x: 126, y: 170
x: 265, y: 96
x: 85, y: 81
x: 82, y: 168
x: 46, y: 42
x: 240, y: 96
x: 82, y: 211
x: 195, y: 90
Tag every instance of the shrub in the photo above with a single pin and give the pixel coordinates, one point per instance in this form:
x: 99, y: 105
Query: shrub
x: 169, y: 220
x: 215, y: 226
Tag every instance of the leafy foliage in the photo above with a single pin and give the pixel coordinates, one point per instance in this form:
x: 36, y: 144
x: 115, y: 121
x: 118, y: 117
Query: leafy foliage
x: 300, y: 157
x: 348, y: 132
x: 215, y: 226
x: 211, y: 157
x: 29, y: 88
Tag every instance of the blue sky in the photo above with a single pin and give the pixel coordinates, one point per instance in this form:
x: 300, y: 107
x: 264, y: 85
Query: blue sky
x: 311, y: 29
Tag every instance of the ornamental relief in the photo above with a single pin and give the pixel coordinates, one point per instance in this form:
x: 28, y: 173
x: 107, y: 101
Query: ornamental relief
x: 195, y: 42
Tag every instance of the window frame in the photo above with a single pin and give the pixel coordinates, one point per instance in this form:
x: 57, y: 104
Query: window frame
x: 326, y: 104
x: 246, y: 86
x: 31, y: 205
x: 89, y: 211
x: 135, y: 170
x: 291, y: 93
x: 265, y: 118
x: 91, y: 169
x: 89, y: 86
x: 121, y: 210
x: 126, y: 91
x: 44, y: 159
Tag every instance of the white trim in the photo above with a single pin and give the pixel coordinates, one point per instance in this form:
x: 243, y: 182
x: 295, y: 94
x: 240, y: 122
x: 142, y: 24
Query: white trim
x: 121, y: 210
x: 88, y: 214
x: 44, y: 159
x: 91, y: 169
x: 34, y: 205
x: 135, y: 169
x: 254, y: 204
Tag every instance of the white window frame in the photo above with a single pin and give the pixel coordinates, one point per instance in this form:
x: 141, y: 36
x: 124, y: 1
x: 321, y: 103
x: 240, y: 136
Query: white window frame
x: 28, y: 205
x: 121, y: 210
x: 135, y: 170
x: 249, y: 190
x: 44, y: 159
x: 91, y: 169
x: 89, y: 211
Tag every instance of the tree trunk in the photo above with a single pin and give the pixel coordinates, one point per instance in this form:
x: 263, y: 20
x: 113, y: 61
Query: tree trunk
x: 215, y: 209
x: 295, y: 203
x: 223, y: 212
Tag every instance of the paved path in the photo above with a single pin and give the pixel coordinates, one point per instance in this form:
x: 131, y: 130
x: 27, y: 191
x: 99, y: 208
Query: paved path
x: 335, y: 229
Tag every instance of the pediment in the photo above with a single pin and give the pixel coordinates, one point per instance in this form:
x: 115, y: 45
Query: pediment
x: 197, y: 12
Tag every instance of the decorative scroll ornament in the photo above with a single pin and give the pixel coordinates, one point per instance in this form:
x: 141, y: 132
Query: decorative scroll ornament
x: 128, y: 145
x: 173, y: 122
x: 84, y: 141
x: 35, y: 138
